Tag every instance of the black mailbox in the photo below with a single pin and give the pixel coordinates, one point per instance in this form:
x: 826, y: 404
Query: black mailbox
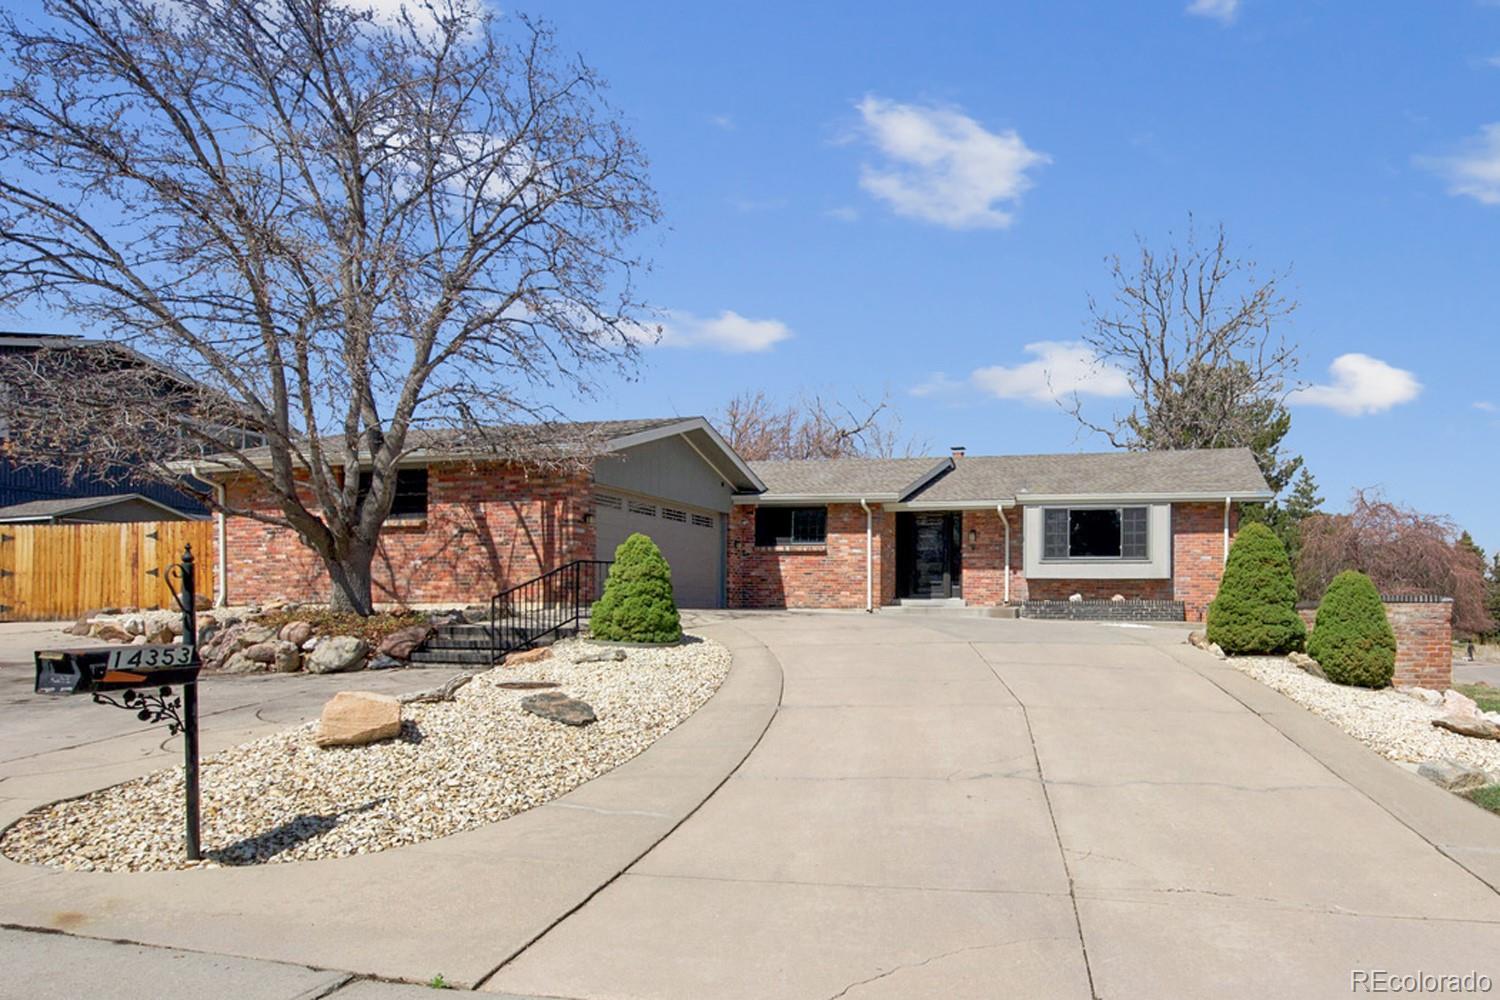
x: 90, y: 671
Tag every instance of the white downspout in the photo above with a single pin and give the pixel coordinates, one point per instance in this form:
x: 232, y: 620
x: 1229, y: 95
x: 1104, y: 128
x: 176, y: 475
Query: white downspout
x: 1000, y: 509
x: 869, y: 558
x: 1226, y: 530
x: 221, y: 558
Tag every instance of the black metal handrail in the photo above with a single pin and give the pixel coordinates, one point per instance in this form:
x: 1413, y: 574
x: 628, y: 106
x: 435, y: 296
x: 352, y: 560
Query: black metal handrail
x: 544, y: 605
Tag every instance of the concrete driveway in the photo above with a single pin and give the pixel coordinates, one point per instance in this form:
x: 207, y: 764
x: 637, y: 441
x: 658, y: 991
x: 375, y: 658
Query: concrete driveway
x: 939, y: 807
x: 976, y: 808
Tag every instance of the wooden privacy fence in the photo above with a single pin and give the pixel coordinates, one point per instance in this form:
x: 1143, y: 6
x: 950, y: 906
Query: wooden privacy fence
x: 58, y: 571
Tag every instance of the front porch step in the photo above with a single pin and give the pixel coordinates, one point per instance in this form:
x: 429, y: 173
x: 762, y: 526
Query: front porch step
x: 930, y: 602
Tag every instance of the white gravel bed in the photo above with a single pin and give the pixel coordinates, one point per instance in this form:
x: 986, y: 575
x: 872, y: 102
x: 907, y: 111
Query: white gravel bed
x: 457, y: 765
x: 1395, y: 725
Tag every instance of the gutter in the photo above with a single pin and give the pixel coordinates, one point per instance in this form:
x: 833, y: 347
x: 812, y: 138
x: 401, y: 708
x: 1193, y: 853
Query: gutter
x: 869, y: 559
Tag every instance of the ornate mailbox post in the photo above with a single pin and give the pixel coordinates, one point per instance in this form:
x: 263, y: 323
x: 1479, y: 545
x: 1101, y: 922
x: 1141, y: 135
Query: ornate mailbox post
x: 143, y: 678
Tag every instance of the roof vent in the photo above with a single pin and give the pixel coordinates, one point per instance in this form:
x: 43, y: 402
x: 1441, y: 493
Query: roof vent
x: 958, y: 451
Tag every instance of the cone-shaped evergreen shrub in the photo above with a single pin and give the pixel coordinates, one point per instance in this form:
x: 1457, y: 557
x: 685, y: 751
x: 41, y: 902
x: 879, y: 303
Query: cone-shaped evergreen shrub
x: 1255, y: 612
x: 1351, y: 640
x: 637, y: 605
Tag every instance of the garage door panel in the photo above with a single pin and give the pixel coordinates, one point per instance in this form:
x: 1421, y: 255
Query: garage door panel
x: 689, y: 539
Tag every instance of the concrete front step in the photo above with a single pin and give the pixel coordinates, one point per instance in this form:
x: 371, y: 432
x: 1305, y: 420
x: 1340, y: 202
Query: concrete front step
x: 952, y: 611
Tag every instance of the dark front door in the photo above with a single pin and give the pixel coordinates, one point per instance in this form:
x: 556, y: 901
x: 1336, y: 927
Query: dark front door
x: 928, y: 554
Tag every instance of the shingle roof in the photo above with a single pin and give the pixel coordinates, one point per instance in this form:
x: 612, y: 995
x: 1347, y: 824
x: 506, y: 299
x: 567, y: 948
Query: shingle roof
x: 1004, y: 478
x: 74, y: 505
x: 847, y: 477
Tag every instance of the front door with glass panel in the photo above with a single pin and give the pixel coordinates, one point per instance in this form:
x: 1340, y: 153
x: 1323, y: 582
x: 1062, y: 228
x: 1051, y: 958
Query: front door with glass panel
x: 929, y: 554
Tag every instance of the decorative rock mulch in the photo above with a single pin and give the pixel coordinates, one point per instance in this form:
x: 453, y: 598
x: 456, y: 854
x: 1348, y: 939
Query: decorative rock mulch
x: 456, y: 765
x: 1394, y: 724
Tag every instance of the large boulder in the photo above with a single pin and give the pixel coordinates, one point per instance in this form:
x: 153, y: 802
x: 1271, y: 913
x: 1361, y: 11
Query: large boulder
x: 296, y: 632
x: 354, y: 718
x: 110, y: 632
x: 1453, y: 776
x: 525, y: 656
x: 402, y: 643
x: 336, y: 654
x: 278, y: 654
x: 558, y: 707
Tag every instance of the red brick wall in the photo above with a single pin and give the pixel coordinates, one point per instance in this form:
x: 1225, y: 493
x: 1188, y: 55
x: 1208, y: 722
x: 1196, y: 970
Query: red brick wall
x: 487, y: 526
x: 1424, y: 641
x: 1198, y: 554
x: 984, y: 558
x: 820, y: 576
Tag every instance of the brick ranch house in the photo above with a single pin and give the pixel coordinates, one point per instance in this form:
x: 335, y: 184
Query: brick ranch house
x: 846, y: 533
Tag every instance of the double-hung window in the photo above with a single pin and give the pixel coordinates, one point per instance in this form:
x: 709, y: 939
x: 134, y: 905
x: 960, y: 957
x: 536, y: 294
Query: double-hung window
x: 791, y: 526
x: 1096, y: 533
x: 410, y: 502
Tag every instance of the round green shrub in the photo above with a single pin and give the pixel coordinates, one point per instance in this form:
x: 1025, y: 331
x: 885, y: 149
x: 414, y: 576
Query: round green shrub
x: 1255, y: 612
x: 637, y: 605
x: 1351, y: 639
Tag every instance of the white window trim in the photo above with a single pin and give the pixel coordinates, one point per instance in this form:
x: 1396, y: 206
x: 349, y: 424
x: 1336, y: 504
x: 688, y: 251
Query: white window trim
x: 1158, y: 546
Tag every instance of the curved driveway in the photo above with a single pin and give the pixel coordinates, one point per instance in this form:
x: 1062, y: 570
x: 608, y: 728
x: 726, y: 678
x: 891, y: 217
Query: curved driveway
x: 958, y: 807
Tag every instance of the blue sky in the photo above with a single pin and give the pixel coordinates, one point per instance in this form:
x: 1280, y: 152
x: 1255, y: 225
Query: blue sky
x: 866, y: 198
x: 895, y: 198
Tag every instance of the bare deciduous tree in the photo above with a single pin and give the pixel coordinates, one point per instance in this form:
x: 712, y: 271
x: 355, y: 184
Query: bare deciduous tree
x: 344, y: 228
x: 1193, y: 329
x: 1403, y: 550
x: 810, y: 427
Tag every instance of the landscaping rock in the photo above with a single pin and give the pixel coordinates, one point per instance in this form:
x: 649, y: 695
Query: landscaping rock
x: 310, y: 645
x: 134, y: 624
x: 1459, y: 706
x: 111, y: 632
x: 296, y: 632
x: 261, y: 652
x: 288, y: 658
x: 1453, y: 776
x: 526, y: 685
x: 1304, y: 662
x: 1117, y: 599
x: 381, y: 662
x: 1075, y: 598
x: 527, y: 656
x: 1476, y: 726
x: 403, y: 642
x: 238, y: 663
x: 1218, y: 651
x: 1426, y: 696
x: 336, y: 654
x: 162, y: 636
x: 354, y: 718
x: 558, y: 707
x: 444, y: 693
x: 601, y: 656
x: 249, y: 635
x: 137, y: 640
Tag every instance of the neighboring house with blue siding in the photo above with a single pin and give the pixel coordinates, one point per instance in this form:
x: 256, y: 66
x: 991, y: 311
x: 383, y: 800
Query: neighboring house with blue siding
x: 19, y: 485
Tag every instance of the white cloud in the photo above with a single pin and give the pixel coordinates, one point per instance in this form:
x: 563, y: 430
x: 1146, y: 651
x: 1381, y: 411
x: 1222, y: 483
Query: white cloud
x: 1061, y: 369
x: 937, y: 384
x: 943, y: 166
x: 1474, y: 170
x: 1485, y: 406
x: 1223, y: 11
x: 1361, y: 385
x: 728, y: 331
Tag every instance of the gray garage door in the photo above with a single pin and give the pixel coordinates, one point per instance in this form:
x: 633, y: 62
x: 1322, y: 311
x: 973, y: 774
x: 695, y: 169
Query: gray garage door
x: 687, y: 536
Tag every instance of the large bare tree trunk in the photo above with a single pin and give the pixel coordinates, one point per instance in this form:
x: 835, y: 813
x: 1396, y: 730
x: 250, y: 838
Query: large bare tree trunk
x: 352, y: 589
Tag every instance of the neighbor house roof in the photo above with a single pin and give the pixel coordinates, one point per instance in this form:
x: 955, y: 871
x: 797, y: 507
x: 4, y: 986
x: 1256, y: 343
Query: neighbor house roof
x: 75, y: 507
x: 981, y: 480
x: 536, y: 441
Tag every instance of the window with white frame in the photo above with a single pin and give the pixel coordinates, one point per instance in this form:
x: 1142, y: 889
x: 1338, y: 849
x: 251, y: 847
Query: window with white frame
x: 1096, y: 533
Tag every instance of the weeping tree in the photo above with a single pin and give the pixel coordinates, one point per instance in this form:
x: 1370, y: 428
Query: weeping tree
x: 327, y: 229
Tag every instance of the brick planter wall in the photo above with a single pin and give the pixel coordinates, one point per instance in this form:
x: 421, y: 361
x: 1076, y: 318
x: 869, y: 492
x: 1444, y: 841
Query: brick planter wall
x: 488, y: 526
x: 831, y: 575
x: 1424, y: 638
x: 1105, y: 611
